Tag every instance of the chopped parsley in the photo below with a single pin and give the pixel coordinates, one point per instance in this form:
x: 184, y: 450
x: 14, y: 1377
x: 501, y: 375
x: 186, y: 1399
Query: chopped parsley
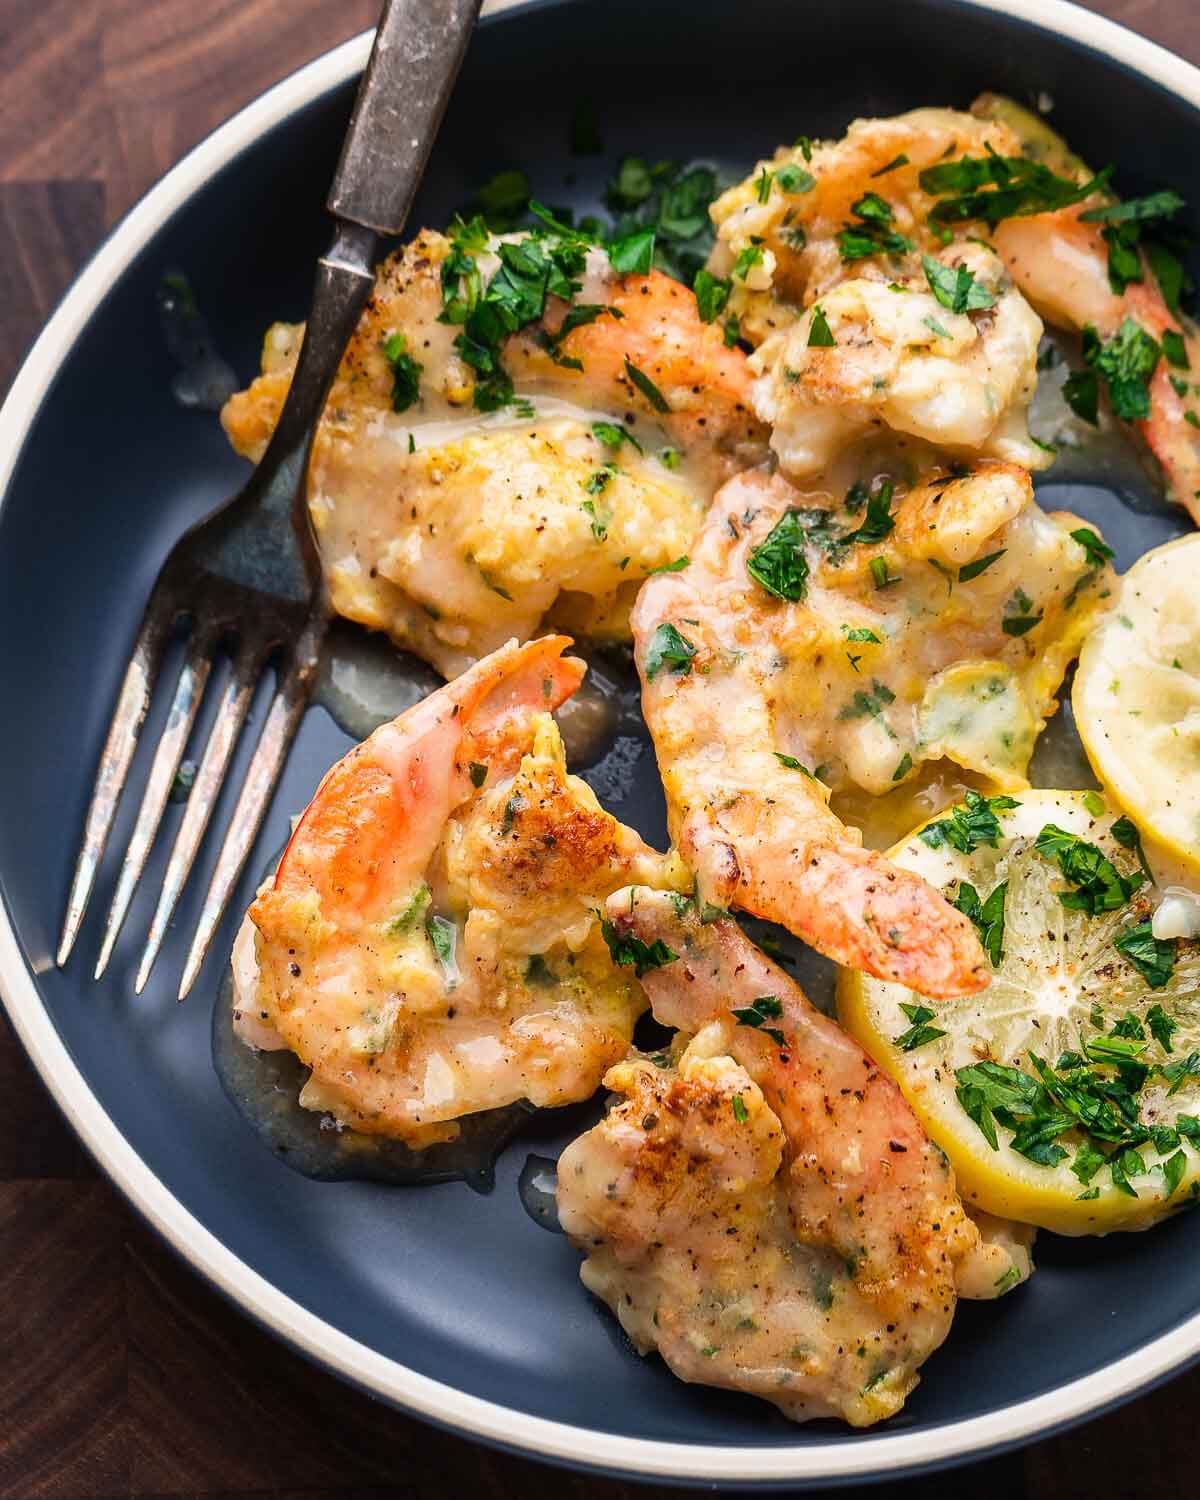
x: 747, y: 258
x: 478, y: 773
x: 1125, y: 363
x: 896, y: 161
x: 986, y: 916
x: 669, y: 649
x: 612, y: 435
x: 443, y: 936
x: 868, y: 705
x: 794, y: 179
x: 647, y: 387
x: 878, y: 522
x: 633, y: 953
x: 903, y: 766
x: 1126, y: 834
x: 1097, y: 550
x: 1099, y: 886
x: 956, y: 287
x: 820, y: 335
x: 406, y: 372
x: 879, y: 573
x: 669, y: 567
x: 1019, y: 618
x: 971, y: 823
x: 412, y: 913
x: 1175, y: 349
x: 778, y: 563
x: 919, y: 1032
x: 861, y: 633
x: 740, y: 1112
x: 633, y: 253
x: 873, y: 233
x: 1153, y: 958
x: 758, y: 1013
x: 995, y: 187
x: 793, y: 764
x: 712, y: 293
x: 980, y: 565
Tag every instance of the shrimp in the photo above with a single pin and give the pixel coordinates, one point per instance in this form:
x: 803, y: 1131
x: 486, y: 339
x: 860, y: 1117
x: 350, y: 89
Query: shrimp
x: 782, y: 248
x: 759, y: 705
x: 762, y: 1207
x: 453, y: 529
x: 896, y: 358
x: 1060, y: 262
x: 430, y: 945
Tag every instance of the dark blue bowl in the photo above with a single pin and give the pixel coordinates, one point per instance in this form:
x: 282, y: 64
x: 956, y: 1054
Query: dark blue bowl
x: 451, y: 1304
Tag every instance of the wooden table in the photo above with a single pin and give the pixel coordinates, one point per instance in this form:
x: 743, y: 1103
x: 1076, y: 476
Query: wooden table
x: 121, y: 1373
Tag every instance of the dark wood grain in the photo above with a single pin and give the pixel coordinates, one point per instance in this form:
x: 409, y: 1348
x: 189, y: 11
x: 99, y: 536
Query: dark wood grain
x: 121, y: 1373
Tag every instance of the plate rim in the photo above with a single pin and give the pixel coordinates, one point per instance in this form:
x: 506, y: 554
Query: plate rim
x: 838, y: 1458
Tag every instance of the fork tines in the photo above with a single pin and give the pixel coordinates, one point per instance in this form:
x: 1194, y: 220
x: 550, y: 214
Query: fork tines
x: 287, y: 708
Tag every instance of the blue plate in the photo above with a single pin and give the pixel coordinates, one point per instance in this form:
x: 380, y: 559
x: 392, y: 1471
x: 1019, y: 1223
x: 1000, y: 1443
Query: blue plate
x: 454, y: 1305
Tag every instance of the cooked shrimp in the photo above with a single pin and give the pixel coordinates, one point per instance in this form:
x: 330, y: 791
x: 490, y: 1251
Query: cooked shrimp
x: 896, y: 359
x: 763, y: 1208
x: 787, y: 238
x: 1061, y: 265
x: 453, y: 530
x: 429, y: 945
x: 758, y: 705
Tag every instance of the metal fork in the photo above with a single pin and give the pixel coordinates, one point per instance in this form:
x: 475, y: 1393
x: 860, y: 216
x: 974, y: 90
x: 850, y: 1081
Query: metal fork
x: 249, y: 576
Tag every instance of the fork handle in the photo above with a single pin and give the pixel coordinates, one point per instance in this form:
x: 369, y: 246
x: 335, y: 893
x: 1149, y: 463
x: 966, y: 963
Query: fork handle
x: 419, y: 48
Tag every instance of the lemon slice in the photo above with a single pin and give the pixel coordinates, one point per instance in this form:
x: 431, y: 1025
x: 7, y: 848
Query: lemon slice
x: 1137, y: 698
x: 1061, y: 987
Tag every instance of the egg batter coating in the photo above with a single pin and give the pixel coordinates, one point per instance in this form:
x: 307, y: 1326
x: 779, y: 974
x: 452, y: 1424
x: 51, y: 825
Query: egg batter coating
x: 880, y: 639
x: 430, y: 944
x: 762, y: 1207
x: 453, y: 529
x: 784, y: 249
x: 897, y: 360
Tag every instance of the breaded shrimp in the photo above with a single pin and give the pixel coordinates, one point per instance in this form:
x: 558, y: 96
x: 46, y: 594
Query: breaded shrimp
x: 758, y: 705
x: 763, y: 1207
x: 452, y: 529
x: 429, y: 945
x: 898, y: 360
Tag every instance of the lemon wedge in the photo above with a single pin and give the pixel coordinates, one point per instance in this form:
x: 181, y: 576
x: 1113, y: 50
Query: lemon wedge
x: 1067, y: 1093
x: 1137, y: 698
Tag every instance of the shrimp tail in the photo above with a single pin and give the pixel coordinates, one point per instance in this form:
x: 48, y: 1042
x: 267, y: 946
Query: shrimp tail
x: 864, y: 912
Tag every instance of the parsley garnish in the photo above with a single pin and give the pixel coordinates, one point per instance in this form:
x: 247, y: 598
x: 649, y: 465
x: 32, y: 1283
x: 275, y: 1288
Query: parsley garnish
x: 633, y: 253
x: 793, y: 764
x: 920, y: 1032
x: 1153, y: 958
x: 406, y: 372
x: 971, y: 823
x: 872, y: 234
x: 1174, y: 347
x: 1125, y: 363
x: 1097, y: 550
x: 647, y: 387
x: 712, y: 294
x: 1126, y: 834
x: 868, y: 705
x: 1018, y: 617
x: 669, y: 567
x: 668, y: 648
x: 794, y: 179
x: 478, y: 773
x: 633, y: 953
x: 980, y: 565
x: 412, y: 913
x: 820, y: 335
x: 878, y: 522
x: 896, y: 161
x: 861, y: 633
x: 995, y: 187
x: 758, y: 1012
x: 612, y: 435
x: 1099, y: 886
x: 740, y: 1113
x: 986, y: 916
x: 778, y: 563
x: 956, y: 287
x: 443, y: 935
x: 747, y: 258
